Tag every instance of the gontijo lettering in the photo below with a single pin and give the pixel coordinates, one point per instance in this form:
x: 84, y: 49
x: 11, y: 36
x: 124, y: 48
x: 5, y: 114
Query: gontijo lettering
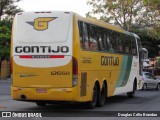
x: 109, y: 61
x: 43, y: 49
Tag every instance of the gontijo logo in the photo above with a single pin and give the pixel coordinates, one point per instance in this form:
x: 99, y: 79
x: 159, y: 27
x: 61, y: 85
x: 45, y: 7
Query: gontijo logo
x: 41, y: 23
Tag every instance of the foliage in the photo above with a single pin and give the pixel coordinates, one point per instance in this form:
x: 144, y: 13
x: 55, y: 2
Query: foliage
x: 153, y: 4
x: 8, y: 8
x: 5, y: 36
x: 121, y: 12
x: 131, y: 15
x: 139, y: 16
x: 153, y: 9
x: 151, y: 45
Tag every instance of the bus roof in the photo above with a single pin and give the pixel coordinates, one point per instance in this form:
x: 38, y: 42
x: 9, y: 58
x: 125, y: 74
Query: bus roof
x: 89, y: 20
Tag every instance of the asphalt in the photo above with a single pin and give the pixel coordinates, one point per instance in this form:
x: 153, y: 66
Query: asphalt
x: 5, y: 79
x: 5, y: 86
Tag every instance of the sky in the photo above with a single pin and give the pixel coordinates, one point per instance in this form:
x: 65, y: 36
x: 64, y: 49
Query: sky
x: 78, y: 6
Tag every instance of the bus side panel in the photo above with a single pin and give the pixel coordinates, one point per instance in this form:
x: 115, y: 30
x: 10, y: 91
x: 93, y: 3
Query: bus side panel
x: 94, y: 65
x: 127, y: 75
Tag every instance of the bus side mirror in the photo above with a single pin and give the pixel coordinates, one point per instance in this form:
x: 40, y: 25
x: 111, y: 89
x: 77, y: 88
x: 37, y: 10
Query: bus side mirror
x: 143, y: 50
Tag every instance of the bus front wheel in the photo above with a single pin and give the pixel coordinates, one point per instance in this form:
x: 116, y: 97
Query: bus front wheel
x: 132, y: 94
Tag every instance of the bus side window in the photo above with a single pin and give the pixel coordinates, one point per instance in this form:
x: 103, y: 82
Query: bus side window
x: 127, y: 44
x: 140, y: 56
x: 134, y: 47
x: 107, y: 40
x: 93, y: 42
x: 101, y: 39
x: 80, y: 25
x: 86, y: 36
x: 84, y: 41
x: 120, y: 44
x: 127, y: 50
x: 114, y: 42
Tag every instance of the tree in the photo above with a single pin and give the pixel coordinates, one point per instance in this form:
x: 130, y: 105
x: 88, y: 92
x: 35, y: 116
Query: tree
x: 139, y: 16
x: 8, y: 8
x: 128, y: 14
x: 153, y: 9
x: 153, y: 4
x: 125, y: 13
x: 5, y: 36
x: 148, y: 43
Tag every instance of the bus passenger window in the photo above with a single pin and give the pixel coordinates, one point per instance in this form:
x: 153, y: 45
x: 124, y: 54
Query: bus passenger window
x: 101, y: 39
x: 93, y: 46
x: 120, y: 50
x: 113, y: 40
x: 107, y: 40
x: 101, y: 42
x: 127, y: 50
x: 134, y: 46
x: 93, y: 38
x: 127, y: 44
x: 134, y: 52
x: 84, y: 43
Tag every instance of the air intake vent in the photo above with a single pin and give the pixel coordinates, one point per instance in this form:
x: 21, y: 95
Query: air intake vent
x: 83, y: 83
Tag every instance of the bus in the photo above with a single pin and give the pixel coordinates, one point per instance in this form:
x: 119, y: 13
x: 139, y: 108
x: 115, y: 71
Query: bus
x: 61, y: 56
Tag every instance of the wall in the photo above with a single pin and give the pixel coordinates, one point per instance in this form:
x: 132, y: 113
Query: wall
x: 5, y: 69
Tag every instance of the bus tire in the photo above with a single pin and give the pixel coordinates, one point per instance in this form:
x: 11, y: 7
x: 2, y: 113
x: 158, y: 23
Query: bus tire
x: 39, y: 103
x: 102, y: 96
x: 132, y: 94
x: 92, y: 104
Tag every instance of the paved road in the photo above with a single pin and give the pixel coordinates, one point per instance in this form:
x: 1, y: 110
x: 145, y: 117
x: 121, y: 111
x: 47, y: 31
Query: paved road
x: 148, y: 101
x: 5, y: 86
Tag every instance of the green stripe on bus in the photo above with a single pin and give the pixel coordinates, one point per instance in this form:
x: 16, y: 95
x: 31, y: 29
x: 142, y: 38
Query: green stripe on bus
x: 122, y: 71
x: 125, y: 71
x: 128, y: 70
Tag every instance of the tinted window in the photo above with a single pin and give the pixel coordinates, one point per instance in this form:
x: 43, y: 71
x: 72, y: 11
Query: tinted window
x: 134, y: 46
x: 84, y: 40
x: 149, y: 76
x: 93, y: 37
x: 96, y: 38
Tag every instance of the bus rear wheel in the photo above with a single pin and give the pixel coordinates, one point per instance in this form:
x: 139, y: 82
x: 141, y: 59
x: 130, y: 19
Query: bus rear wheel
x: 102, y: 96
x: 92, y: 104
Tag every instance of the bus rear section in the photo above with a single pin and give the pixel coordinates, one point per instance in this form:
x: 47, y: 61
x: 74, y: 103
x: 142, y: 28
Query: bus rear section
x: 42, y: 60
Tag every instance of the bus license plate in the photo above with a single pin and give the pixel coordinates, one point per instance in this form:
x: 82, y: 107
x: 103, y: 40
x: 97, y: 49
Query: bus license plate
x: 41, y: 90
